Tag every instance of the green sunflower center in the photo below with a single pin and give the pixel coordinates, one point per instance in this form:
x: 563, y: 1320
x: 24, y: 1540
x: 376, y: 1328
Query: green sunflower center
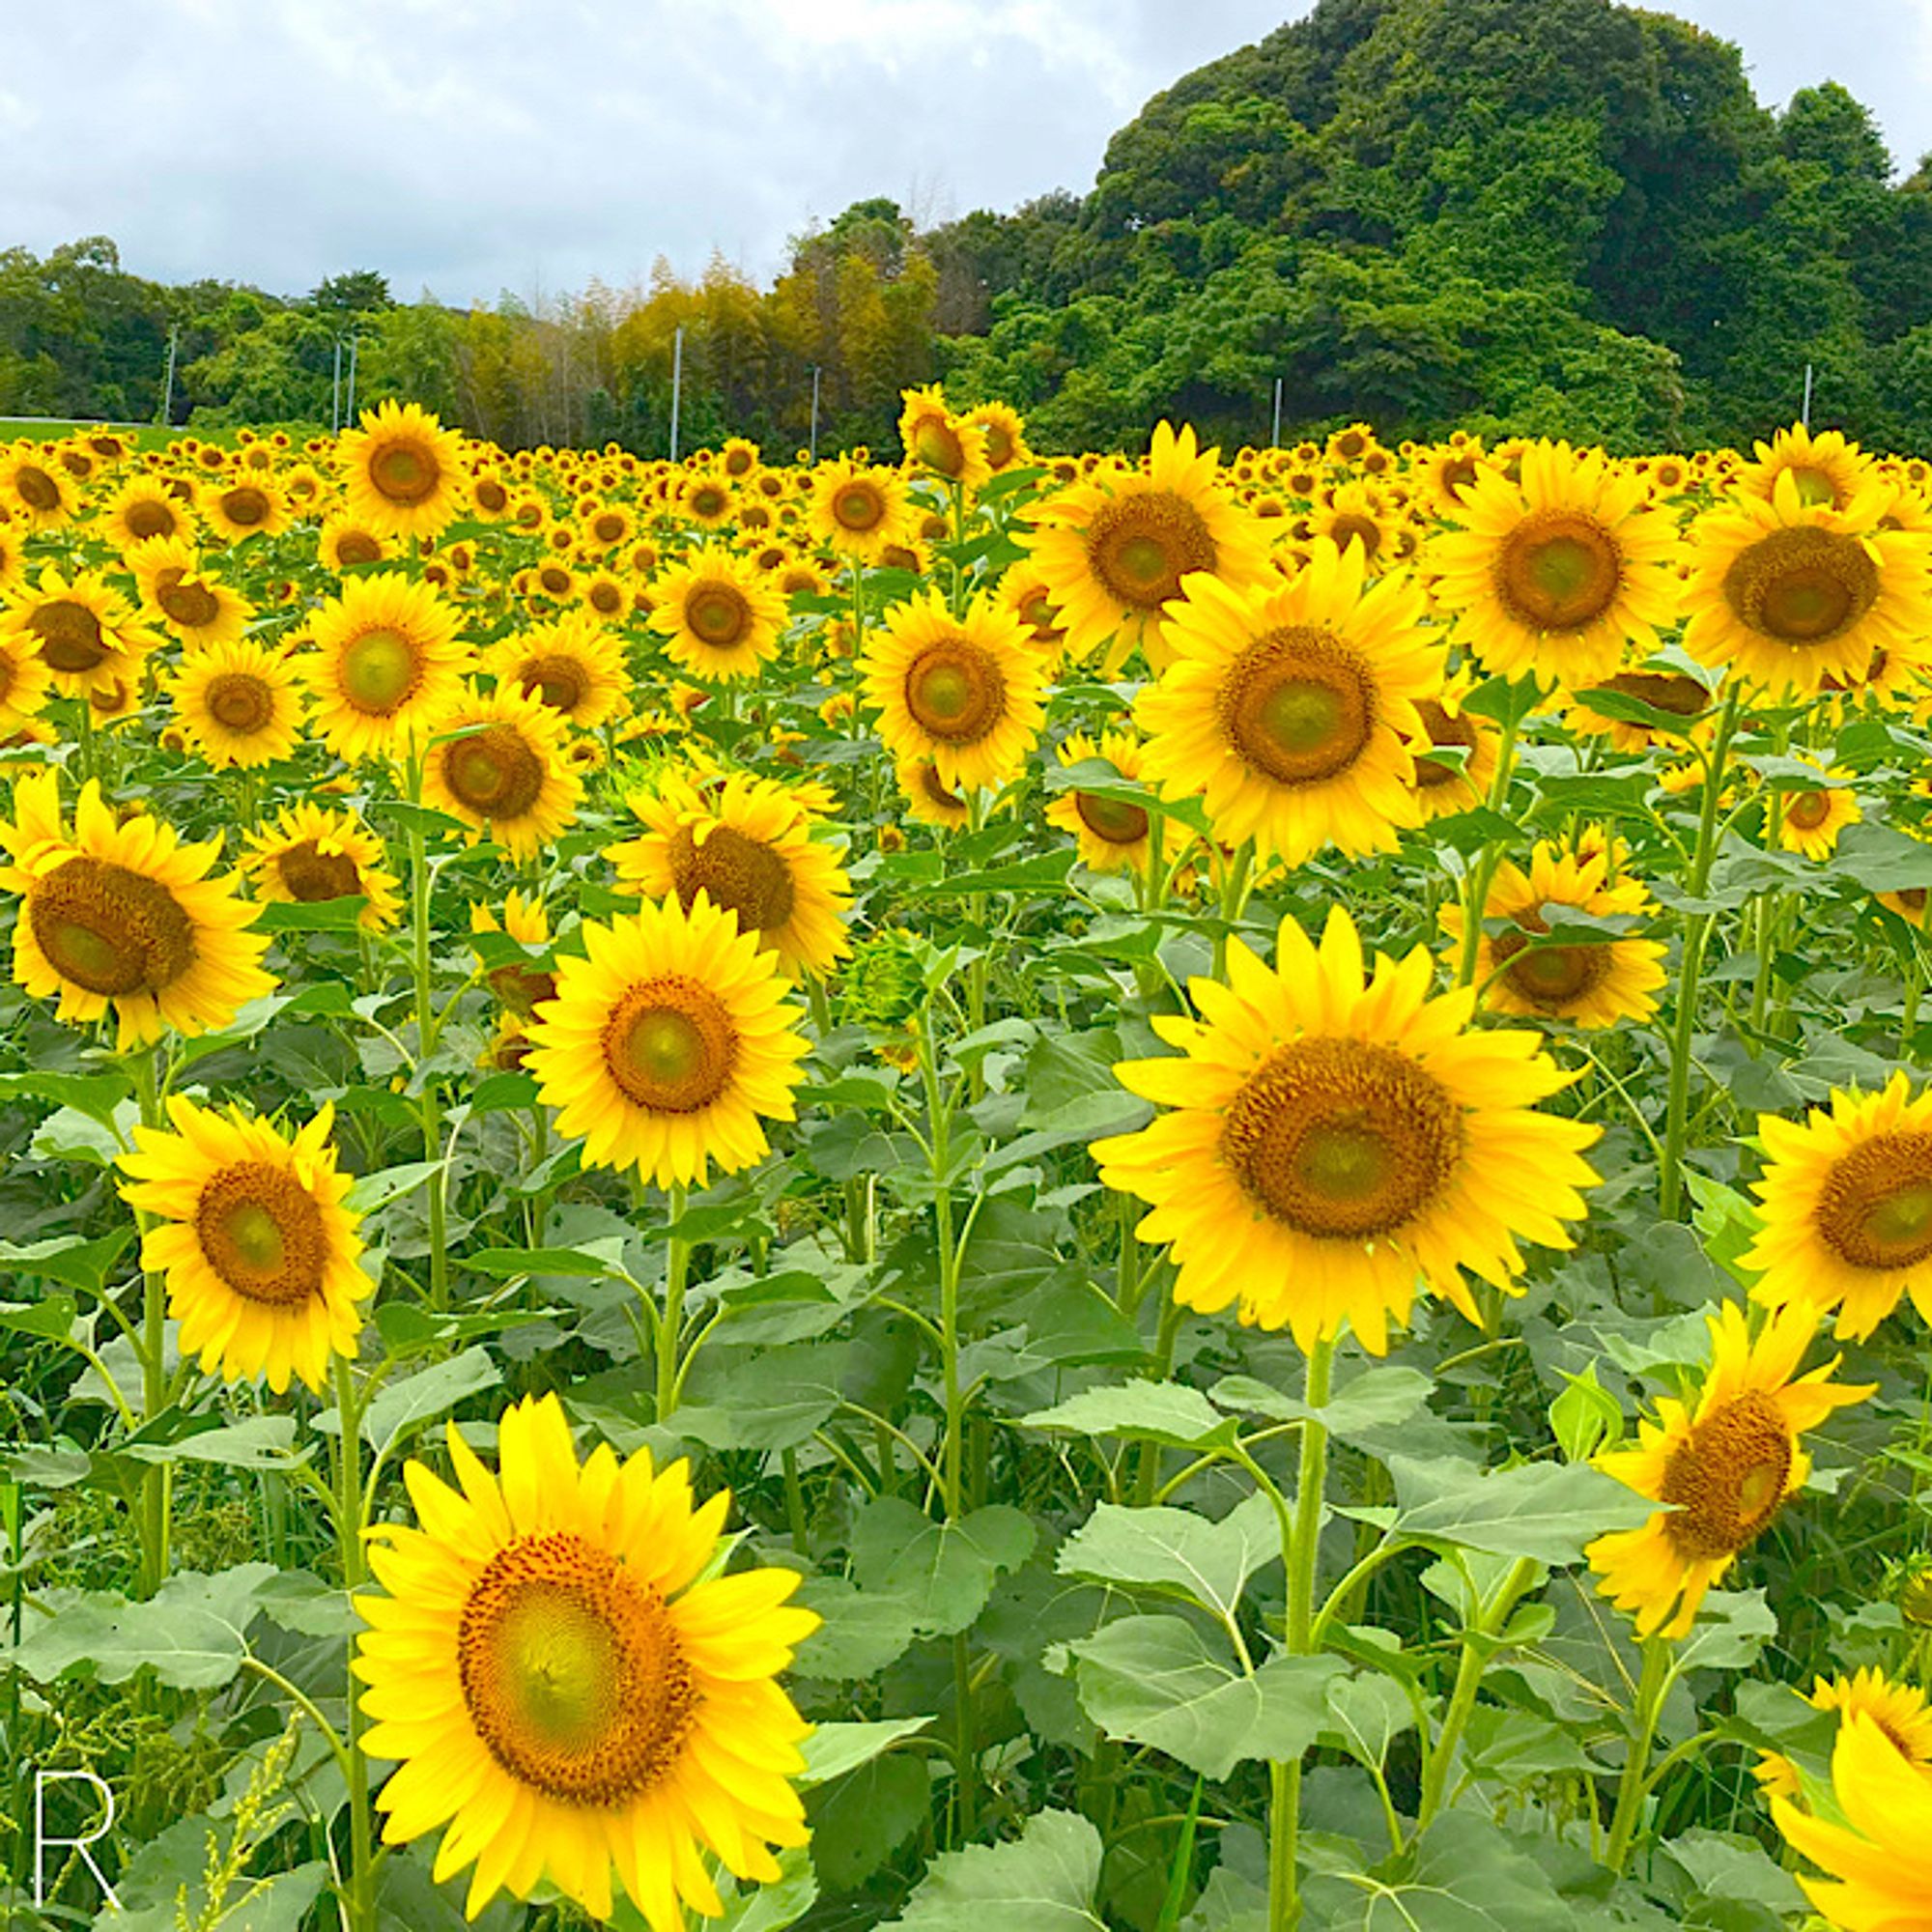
x: 955, y: 690
x: 719, y: 615
x: 1114, y: 821
x: 1140, y: 546
x: 379, y: 671
x: 669, y: 1045
x: 239, y: 702
x: 1297, y: 705
x: 859, y: 507
x: 496, y: 771
x: 403, y: 472
x: 261, y: 1231
x: 1558, y: 570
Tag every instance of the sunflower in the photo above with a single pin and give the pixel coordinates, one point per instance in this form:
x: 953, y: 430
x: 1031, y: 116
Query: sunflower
x: 505, y: 770
x: 36, y: 490
x: 859, y: 511
x: 1554, y: 573
x: 1799, y: 595
x: 248, y: 506
x: 1004, y: 431
x: 310, y: 855
x: 240, y: 704
x: 607, y: 526
x: 1674, y: 693
x: 1291, y: 713
x: 573, y: 1682
x: 1337, y: 1137
x: 193, y: 603
x: 1113, y: 834
x: 1726, y: 1468
x: 522, y: 984
x: 1113, y: 549
x: 666, y: 1045
x: 345, y: 541
x: 721, y: 618
x: 964, y: 693
x: 1449, y: 470
x: 402, y: 472
x: 84, y: 630
x: 12, y: 558
x: 1024, y: 591
x: 951, y: 446
x: 1811, y: 820
x: 489, y: 494
x: 747, y: 845
x: 1445, y: 785
x: 256, y: 1240
x: 929, y: 798
x: 25, y: 683
x: 1589, y: 984
x: 387, y: 663
x: 1354, y: 513
x: 573, y: 666
x: 143, y: 509
x: 1824, y: 467
x: 1846, y: 1204
x: 706, y: 501
x: 1899, y: 1710
x: 606, y: 596
x: 125, y: 916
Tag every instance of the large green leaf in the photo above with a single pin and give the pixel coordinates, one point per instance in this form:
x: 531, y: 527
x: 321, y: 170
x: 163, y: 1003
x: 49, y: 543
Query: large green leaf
x: 1045, y: 1881
x: 1544, y: 1511
x: 1141, y: 1411
x: 942, y: 1572
x: 1208, y: 1562
x: 192, y: 1632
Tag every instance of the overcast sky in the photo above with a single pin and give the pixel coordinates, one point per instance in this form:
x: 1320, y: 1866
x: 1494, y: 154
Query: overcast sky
x: 469, y: 146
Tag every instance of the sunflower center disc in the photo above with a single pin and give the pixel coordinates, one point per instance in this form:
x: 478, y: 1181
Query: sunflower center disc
x: 1668, y: 691
x: 607, y: 598
x: 742, y: 874
x: 1364, y: 531
x: 956, y: 691
x: 494, y: 772
x: 1802, y: 587
x: 110, y: 929
x: 858, y: 508
x: 378, y: 671
x: 246, y: 506
x: 1342, y: 1140
x: 70, y: 636
x: 1139, y: 546
x: 38, y: 489
x: 670, y: 1045
x: 1112, y: 819
x: 556, y: 681
x: 356, y: 547
x: 1814, y: 485
x: 240, y: 704
x: 938, y: 448
x: 709, y: 501
x: 490, y: 495
x: 719, y: 615
x: 149, y: 518
x: 1558, y: 571
x: 262, y: 1233
x: 1553, y: 978
x: 403, y: 472
x: 192, y: 605
x: 1728, y: 1478
x: 573, y: 1673
x: 1442, y: 730
x: 1297, y: 705
x: 1875, y: 1208
x: 310, y: 875
x: 1807, y: 810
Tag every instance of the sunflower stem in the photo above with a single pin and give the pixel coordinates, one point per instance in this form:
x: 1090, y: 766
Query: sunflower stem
x: 1659, y: 1674
x: 430, y: 1101
x: 155, y: 1480
x: 1235, y: 876
x: 678, y: 1267
x: 1476, y: 883
x: 358, y: 1906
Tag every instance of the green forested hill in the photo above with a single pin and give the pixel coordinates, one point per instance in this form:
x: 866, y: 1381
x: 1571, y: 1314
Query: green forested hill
x: 1537, y: 216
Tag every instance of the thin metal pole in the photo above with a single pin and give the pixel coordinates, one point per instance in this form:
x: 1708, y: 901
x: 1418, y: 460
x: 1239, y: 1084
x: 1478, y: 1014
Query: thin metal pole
x: 813, y: 447
x: 168, y: 385
x: 1804, y: 414
x: 1274, y: 434
x: 676, y: 383
x: 354, y: 345
x: 335, y: 393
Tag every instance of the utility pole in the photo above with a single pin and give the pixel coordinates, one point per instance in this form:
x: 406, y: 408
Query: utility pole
x: 354, y: 345
x: 1804, y: 414
x: 676, y: 383
x: 335, y: 393
x: 168, y: 381
x: 1274, y: 434
x: 813, y: 446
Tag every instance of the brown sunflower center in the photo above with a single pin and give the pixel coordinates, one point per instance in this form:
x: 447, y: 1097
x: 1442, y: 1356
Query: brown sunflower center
x: 523, y: 988
x: 1802, y: 587
x: 955, y: 690
x: 1558, y: 570
x: 858, y: 506
x: 239, y: 702
x: 558, y: 681
x: 573, y: 1673
x: 1729, y: 1477
x: 380, y: 670
x: 606, y: 597
x: 606, y: 528
x: 1456, y: 476
x: 353, y: 546
x: 496, y: 771
x: 938, y: 791
x: 670, y: 1045
x: 490, y: 495
x: 742, y: 874
x: 38, y: 489
x: 1114, y: 821
x: 719, y: 615
x: 1671, y: 691
x: 309, y: 874
x: 1139, y: 546
x: 1342, y: 1140
x: 149, y: 517
x: 261, y: 1232
x: 1552, y: 977
x: 710, y: 499
x: 245, y: 505
x: 1350, y: 527
x: 405, y: 473
x: 70, y: 636
x: 1806, y: 810
x: 1298, y: 705
x: 191, y: 605
x: 1875, y: 1208
x: 110, y: 929
x: 1442, y: 730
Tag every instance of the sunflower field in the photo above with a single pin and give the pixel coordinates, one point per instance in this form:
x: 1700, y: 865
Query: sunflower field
x: 991, y: 1191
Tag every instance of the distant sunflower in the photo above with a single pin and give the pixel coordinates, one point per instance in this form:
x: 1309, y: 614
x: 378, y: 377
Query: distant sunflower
x: 1799, y: 596
x: 521, y: 984
x: 1291, y: 713
x: 1674, y: 693
x: 1115, y: 548
x: 747, y: 845
x: 575, y: 1685
x: 951, y: 446
x: 311, y: 854
x: 1004, y: 431
x: 720, y: 617
x: 499, y: 764
x: 239, y: 703
x: 1445, y: 785
x: 1878, y: 1849
x: 123, y: 916
x: 1810, y: 821
x: 245, y: 505
x: 1023, y: 591
x: 346, y: 541
x: 965, y: 692
x: 573, y: 666
x: 84, y: 631
x: 193, y: 602
x: 1826, y: 469
x: 386, y: 663
x: 402, y: 472
x: 255, y: 1238
x: 1725, y: 1466
x: 36, y: 490
x: 607, y: 526
x: 1449, y: 470
x: 143, y: 509
x: 929, y: 798
x: 1113, y: 834
x: 666, y: 1045
x: 1555, y: 574
x: 1335, y: 1138
x: 12, y: 558
x: 862, y: 512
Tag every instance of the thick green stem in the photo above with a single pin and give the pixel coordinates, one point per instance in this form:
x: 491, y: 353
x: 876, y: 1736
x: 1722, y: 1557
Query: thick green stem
x: 156, y: 1479
x: 430, y: 1101
x: 1659, y: 1669
x: 1234, y: 879
x: 1476, y: 885
x: 670, y: 1324
x: 358, y: 1906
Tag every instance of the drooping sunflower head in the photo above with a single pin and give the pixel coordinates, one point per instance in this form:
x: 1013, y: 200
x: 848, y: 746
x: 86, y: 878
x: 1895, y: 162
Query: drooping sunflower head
x: 312, y: 854
x: 1334, y: 1137
x: 402, y: 472
x: 193, y: 602
x: 951, y: 448
x: 239, y: 703
x: 256, y: 1241
x: 929, y: 798
x: 1004, y: 431
x: 721, y: 616
x: 570, y: 1682
x: 522, y: 984
x: 964, y: 693
x: 575, y: 665
x: 670, y: 1043
x: 1461, y: 779
x: 1024, y: 591
x: 500, y: 763
x: 387, y: 662
x: 1674, y: 693
x: 84, y: 630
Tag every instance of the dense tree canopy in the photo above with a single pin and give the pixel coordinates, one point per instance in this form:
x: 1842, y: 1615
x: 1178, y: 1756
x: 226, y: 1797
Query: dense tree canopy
x: 1536, y: 215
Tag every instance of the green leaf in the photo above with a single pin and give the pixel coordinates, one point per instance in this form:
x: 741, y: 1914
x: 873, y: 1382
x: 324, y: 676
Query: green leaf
x: 867, y: 1816
x: 1141, y: 1411
x: 95, y: 1094
x: 1157, y: 1681
x: 1584, y: 1416
x: 1042, y: 1881
x: 861, y: 1634
x: 1366, y: 1714
x: 259, y: 1443
x: 1730, y: 1634
x: 1465, y: 1876
x: 1376, y: 1399
x: 943, y: 1571
x: 1542, y: 1511
x: 52, y: 1319
x: 581, y: 1263
x: 371, y: 1191
x: 834, y: 1749
x: 1208, y: 1562
x: 191, y: 1631
x: 401, y: 1407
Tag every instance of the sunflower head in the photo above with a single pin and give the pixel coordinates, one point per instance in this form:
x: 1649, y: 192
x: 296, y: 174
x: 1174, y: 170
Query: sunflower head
x: 402, y: 472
